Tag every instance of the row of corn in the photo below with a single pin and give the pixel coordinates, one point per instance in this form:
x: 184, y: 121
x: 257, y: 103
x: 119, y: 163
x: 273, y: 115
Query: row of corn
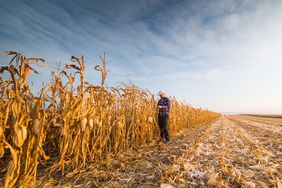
x: 72, y: 122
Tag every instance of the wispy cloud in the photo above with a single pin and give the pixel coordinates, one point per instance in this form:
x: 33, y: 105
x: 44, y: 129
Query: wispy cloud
x: 183, y: 47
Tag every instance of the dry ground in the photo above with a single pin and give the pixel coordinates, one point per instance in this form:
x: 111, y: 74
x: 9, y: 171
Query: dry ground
x: 235, y: 151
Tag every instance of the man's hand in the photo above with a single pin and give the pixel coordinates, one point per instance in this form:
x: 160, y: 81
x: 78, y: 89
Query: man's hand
x: 161, y: 106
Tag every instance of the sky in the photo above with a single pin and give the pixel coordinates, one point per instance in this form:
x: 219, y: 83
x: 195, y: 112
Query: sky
x: 223, y: 55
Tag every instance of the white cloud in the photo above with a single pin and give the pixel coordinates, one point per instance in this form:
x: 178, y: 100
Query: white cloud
x: 197, y: 47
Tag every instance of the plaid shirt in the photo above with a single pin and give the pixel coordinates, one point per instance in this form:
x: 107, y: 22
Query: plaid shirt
x: 164, y: 102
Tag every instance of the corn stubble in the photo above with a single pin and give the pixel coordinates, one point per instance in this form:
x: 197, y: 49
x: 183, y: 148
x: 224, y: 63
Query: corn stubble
x: 71, y: 123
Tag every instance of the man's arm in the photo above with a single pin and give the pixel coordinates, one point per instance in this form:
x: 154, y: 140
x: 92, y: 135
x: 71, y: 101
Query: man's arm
x: 166, y: 104
x: 159, y: 105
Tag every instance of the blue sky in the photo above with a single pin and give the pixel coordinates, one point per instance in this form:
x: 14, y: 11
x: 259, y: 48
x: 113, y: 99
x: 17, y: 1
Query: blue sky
x: 224, y: 55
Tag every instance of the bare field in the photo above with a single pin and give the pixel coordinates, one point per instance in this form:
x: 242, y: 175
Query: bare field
x: 234, y: 151
x: 267, y: 119
x: 265, y: 115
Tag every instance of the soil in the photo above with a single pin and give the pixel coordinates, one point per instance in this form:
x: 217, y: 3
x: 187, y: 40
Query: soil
x: 234, y: 151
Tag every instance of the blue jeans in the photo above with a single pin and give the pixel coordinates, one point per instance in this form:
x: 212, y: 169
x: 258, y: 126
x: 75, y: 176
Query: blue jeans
x: 163, y: 121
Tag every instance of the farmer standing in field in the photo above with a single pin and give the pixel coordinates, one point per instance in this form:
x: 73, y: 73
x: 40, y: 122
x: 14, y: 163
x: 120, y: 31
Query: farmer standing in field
x: 163, y: 115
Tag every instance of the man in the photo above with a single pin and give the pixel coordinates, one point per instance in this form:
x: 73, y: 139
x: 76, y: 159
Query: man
x: 163, y: 114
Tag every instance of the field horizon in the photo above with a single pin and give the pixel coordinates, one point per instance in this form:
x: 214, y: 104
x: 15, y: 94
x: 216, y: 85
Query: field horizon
x: 141, y: 93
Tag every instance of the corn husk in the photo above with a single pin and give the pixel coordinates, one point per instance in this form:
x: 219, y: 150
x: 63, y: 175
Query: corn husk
x: 150, y: 120
x: 83, y: 124
x: 20, y: 135
x: 37, y: 127
x: 91, y: 123
x: 120, y: 124
x: 2, y: 150
x: 1, y: 132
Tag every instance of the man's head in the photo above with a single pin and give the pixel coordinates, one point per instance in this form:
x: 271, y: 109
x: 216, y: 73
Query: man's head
x: 161, y: 94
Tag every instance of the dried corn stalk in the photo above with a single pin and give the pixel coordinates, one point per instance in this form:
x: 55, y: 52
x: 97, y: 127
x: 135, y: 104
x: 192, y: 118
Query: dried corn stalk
x: 78, y: 121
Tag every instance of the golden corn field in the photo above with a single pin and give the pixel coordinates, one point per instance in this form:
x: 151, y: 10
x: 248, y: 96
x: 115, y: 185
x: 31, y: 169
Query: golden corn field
x: 72, y: 123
